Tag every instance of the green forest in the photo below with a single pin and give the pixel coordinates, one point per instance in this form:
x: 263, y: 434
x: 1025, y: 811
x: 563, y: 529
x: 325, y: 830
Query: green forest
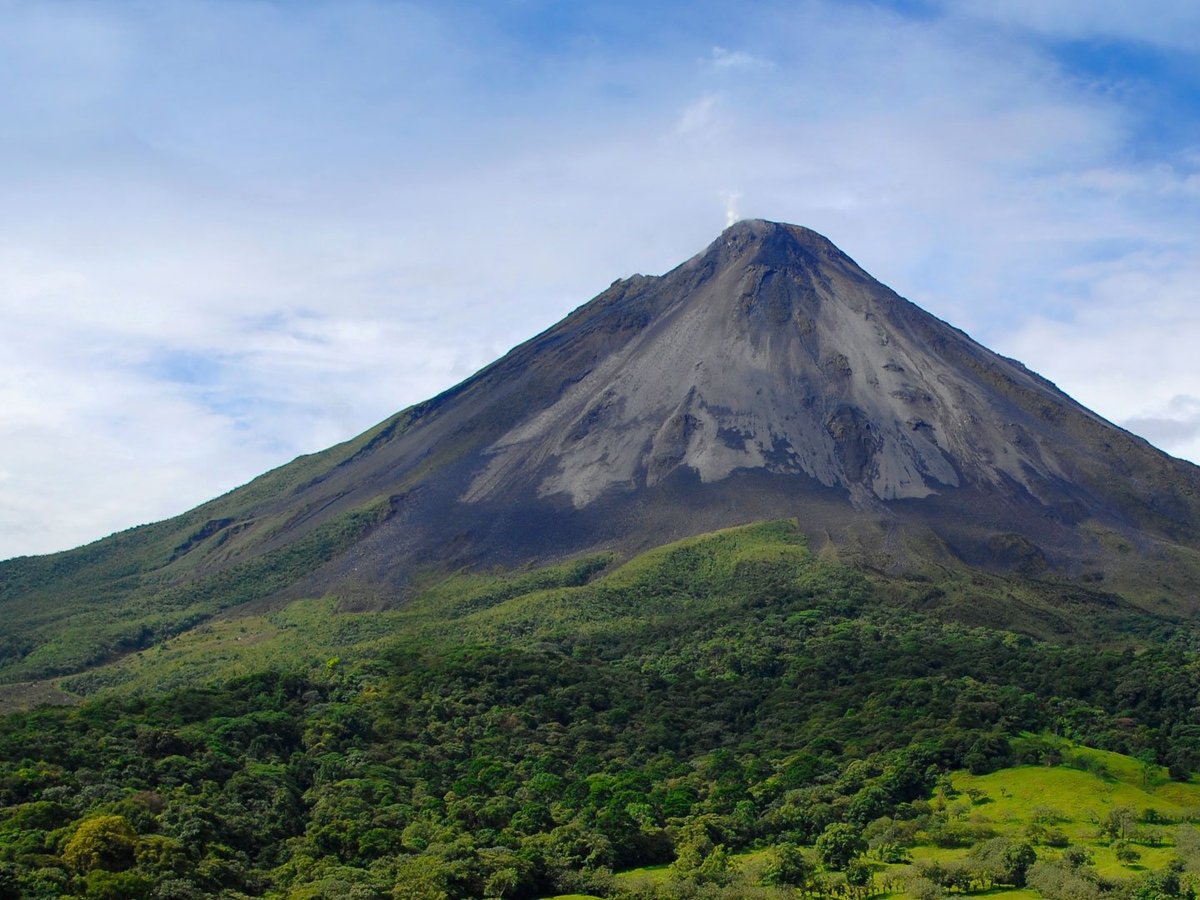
x: 731, y: 716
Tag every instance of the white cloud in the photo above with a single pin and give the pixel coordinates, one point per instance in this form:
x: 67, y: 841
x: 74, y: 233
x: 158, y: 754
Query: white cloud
x: 1174, y: 426
x: 699, y: 116
x: 723, y: 58
x: 1128, y: 348
x: 1171, y: 23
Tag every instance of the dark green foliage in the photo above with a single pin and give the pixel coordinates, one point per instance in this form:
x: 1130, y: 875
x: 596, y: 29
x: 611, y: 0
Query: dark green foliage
x: 716, y: 696
x: 1165, y: 885
x: 1126, y: 852
x: 10, y: 887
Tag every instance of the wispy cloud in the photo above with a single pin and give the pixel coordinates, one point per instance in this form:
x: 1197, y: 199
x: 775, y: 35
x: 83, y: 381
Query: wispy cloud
x: 723, y: 58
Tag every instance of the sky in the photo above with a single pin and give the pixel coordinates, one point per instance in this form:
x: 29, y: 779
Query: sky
x: 234, y: 232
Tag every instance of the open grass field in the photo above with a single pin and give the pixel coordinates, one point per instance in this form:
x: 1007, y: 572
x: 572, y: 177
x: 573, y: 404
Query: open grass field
x: 1075, y: 803
x: 1081, y: 802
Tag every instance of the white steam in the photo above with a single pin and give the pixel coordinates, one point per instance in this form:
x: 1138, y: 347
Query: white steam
x: 731, y: 207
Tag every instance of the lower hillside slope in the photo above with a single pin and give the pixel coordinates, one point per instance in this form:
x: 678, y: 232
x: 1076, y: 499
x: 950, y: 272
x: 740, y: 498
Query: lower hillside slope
x: 680, y: 588
x: 522, y: 737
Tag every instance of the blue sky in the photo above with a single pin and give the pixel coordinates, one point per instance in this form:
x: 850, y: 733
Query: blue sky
x: 233, y: 232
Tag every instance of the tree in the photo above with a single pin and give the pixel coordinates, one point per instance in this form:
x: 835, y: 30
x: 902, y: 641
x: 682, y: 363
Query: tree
x: 1016, y: 859
x: 1120, y: 823
x: 422, y: 877
x: 860, y: 875
x: 787, y: 865
x: 1126, y: 853
x: 1077, y: 857
x: 10, y: 888
x: 1005, y: 861
x: 101, y: 842
x: 699, y: 860
x: 502, y: 882
x: 923, y: 889
x: 716, y: 867
x: 838, y: 844
x: 1164, y: 885
x: 105, y: 885
x: 1149, y: 765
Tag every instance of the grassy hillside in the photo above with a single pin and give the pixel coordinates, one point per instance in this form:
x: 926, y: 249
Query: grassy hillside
x: 678, y: 588
x: 71, y: 611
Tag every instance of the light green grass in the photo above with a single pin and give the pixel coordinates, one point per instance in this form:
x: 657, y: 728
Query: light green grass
x: 304, y: 635
x: 1083, y: 798
x: 569, y: 601
x: 644, y: 876
x: 750, y: 863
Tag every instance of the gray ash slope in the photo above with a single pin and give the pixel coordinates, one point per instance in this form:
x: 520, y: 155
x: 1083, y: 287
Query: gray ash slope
x: 767, y: 377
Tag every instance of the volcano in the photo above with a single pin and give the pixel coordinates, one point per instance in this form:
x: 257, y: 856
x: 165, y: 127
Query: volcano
x: 767, y: 377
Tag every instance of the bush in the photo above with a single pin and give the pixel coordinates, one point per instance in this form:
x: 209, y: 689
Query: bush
x: 892, y: 853
x: 923, y: 889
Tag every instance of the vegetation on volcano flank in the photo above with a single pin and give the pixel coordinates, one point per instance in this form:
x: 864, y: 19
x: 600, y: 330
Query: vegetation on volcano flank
x: 727, y: 716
